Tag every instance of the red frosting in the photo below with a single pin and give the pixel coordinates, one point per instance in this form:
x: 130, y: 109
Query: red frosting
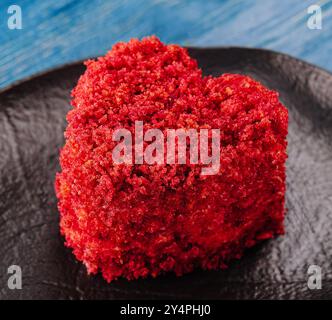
x: 138, y: 220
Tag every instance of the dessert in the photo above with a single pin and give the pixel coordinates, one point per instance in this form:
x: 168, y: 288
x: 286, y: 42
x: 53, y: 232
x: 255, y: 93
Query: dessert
x: 136, y: 219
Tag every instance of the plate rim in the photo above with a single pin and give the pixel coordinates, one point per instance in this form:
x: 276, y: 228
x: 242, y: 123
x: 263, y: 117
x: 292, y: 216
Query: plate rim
x: 73, y: 63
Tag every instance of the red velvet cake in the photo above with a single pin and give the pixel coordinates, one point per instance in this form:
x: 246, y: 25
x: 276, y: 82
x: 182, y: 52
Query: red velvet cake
x: 138, y: 220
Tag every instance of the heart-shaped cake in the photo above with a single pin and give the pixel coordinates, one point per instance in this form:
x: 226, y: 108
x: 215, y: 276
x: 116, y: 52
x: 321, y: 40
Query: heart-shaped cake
x: 133, y: 217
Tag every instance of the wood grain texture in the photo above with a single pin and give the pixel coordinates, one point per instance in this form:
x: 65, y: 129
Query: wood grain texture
x: 57, y: 32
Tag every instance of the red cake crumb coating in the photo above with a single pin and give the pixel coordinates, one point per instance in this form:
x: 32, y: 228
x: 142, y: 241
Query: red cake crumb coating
x: 137, y: 220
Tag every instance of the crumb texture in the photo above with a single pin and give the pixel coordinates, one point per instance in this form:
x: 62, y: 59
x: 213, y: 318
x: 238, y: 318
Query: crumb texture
x: 138, y: 220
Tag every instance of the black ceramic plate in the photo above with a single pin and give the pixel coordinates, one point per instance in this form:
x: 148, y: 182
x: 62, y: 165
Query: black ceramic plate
x: 32, y: 121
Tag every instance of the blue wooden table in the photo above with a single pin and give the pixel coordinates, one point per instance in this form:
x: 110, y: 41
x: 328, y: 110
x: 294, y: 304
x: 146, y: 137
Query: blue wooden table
x: 60, y: 31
